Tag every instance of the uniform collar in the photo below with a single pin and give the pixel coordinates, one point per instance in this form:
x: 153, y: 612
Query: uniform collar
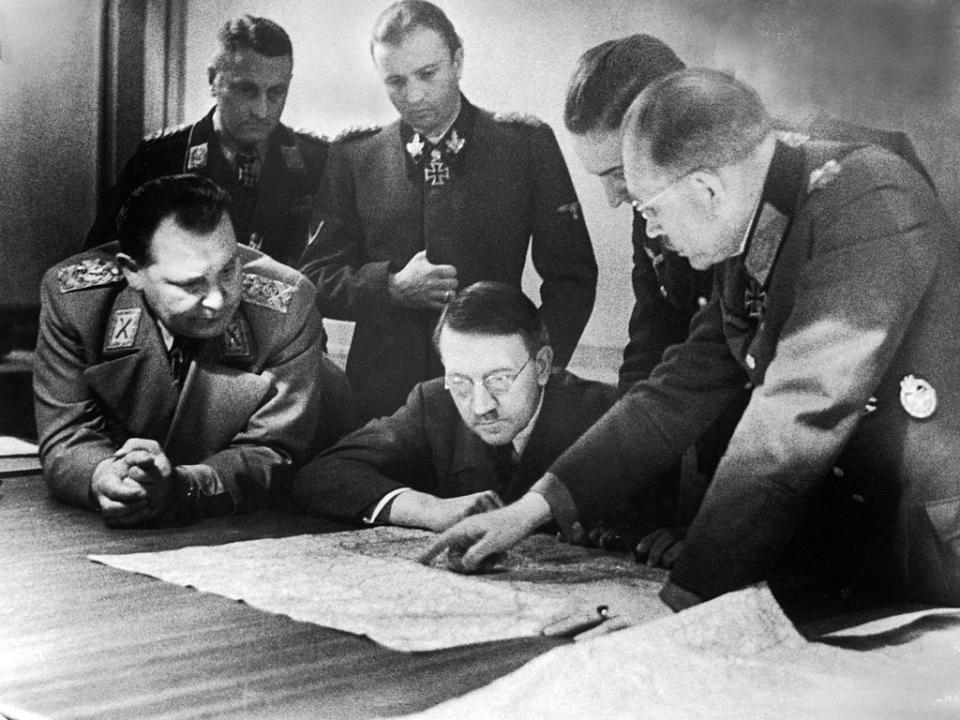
x: 782, y: 190
x: 522, y: 438
x: 452, y: 145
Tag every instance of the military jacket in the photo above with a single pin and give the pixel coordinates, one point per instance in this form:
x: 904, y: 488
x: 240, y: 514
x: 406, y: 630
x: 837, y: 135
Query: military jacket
x: 247, y: 408
x: 278, y: 225
x: 841, y: 315
x: 493, y: 187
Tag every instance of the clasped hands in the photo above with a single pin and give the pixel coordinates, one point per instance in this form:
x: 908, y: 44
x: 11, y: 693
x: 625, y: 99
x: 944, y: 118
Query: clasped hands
x: 133, y: 485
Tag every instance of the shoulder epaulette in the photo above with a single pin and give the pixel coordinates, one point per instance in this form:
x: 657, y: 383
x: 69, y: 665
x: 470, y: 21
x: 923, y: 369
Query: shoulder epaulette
x: 92, y: 272
x: 823, y: 176
x: 310, y: 136
x: 267, y: 292
x: 166, y: 132
x: 518, y: 117
x: 357, y: 132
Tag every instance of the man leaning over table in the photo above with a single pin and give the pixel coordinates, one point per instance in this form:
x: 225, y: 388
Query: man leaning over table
x: 470, y: 440
x: 835, y: 299
x: 176, y: 370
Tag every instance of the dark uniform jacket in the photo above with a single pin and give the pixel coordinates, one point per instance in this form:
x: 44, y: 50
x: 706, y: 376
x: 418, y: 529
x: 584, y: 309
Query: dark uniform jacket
x: 668, y: 292
x: 841, y: 314
x: 501, y: 187
x: 248, y: 406
x: 426, y: 446
x: 279, y: 222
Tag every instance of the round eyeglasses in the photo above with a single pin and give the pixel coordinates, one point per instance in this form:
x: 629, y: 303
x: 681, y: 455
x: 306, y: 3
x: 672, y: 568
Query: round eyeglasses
x: 496, y: 383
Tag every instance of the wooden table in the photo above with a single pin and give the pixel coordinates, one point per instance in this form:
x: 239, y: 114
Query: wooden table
x: 81, y: 640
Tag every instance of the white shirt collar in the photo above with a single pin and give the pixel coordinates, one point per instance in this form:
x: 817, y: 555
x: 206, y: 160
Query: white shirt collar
x: 523, y: 437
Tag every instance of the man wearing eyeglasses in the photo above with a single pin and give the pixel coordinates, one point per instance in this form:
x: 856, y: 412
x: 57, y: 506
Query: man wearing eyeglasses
x: 466, y: 442
x: 835, y: 269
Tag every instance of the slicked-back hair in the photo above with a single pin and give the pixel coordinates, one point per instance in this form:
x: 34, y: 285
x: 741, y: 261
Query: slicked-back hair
x: 402, y: 18
x: 248, y: 32
x: 494, y: 308
x: 698, y: 119
x: 609, y: 76
x: 196, y: 204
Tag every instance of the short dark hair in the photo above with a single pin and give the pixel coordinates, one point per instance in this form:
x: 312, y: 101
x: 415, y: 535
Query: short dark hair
x: 196, y: 203
x: 609, y: 76
x: 402, y: 18
x: 698, y: 119
x: 494, y: 308
x: 248, y: 32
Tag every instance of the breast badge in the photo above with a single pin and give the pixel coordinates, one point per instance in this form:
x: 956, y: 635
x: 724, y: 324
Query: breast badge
x: 918, y: 397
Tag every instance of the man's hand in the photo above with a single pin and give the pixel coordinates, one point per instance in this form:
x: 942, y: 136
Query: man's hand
x: 661, y: 548
x: 418, y: 509
x: 472, y: 540
x: 421, y: 284
x: 123, y: 502
x: 133, y: 485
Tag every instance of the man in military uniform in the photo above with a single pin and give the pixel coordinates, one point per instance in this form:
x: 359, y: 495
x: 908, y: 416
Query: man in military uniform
x: 176, y: 372
x: 447, y: 195
x: 271, y: 172
x: 668, y: 292
x: 836, y: 273
x: 468, y: 441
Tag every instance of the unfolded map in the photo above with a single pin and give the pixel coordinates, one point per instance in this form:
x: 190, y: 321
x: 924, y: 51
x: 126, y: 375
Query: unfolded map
x: 368, y: 582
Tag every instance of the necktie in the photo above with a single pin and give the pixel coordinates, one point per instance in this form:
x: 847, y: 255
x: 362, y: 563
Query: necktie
x: 247, y: 160
x: 180, y: 356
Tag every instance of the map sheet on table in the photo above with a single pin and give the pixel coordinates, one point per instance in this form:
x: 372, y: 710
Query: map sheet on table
x: 368, y: 582
x: 735, y: 657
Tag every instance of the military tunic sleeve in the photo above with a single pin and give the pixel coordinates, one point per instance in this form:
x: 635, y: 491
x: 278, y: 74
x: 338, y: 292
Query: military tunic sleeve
x: 874, y: 259
x: 279, y: 434
x: 350, y: 284
x: 73, y: 428
x: 384, y: 455
x: 649, y: 428
x: 560, y: 248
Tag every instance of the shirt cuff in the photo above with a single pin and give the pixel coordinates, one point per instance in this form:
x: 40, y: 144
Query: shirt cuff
x: 678, y: 598
x: 561, y: 504
x: 374, y: 515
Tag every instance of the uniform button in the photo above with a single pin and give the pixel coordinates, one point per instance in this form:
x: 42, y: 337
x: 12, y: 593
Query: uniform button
x: 701, y: 301
x: 837, y: 471
x: 763, y: 325
x: 857, y: 498
x: 751, y: 363
x: 748, y: 386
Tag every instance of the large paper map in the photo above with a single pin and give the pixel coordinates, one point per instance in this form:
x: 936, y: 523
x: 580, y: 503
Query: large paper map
x: 369, y: 582
x: 735, y: 657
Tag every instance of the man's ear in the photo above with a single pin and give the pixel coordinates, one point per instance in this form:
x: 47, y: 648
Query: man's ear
x: 131, y: 270
x: 544, y: 361
x: 458, y: 61
x: 211, y: 76
x: 712, y: 187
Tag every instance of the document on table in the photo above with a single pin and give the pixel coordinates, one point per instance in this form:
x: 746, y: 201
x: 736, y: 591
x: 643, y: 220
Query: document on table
x: 18, y: 457
x: 735, y: 657
x: 368, y: 582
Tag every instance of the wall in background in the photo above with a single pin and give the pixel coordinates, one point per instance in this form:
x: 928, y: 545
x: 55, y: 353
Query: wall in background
x: 49, y: 124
